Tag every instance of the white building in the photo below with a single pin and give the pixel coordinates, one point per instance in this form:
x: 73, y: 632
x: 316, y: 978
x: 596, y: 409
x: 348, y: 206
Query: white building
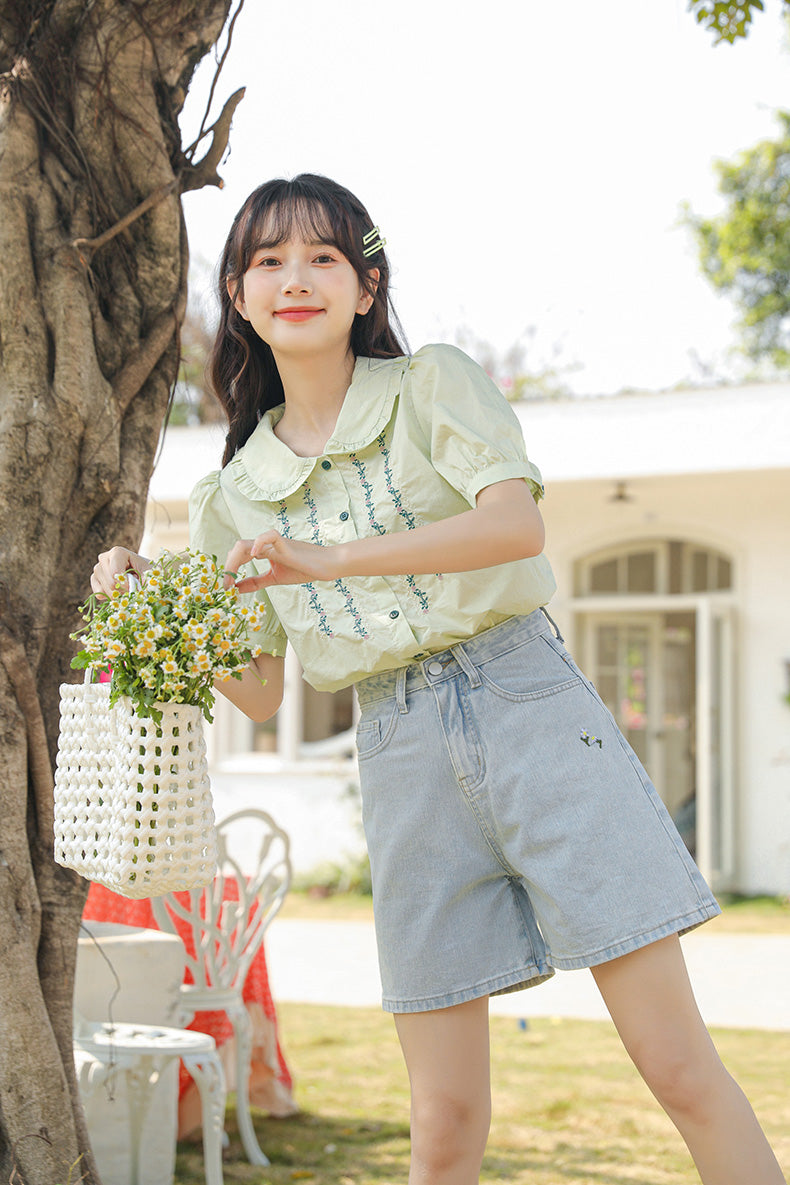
x: 668, y: 529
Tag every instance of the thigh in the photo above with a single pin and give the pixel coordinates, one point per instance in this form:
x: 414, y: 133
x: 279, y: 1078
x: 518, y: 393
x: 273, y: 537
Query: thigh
x: 650, y: 999
x: 447, y: 1053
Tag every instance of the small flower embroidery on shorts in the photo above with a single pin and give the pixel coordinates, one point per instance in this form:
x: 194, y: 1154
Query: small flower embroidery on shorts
x: 590, y: 740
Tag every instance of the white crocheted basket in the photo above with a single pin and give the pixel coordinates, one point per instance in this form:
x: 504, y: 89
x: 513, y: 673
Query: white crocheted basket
x: 133, y: 807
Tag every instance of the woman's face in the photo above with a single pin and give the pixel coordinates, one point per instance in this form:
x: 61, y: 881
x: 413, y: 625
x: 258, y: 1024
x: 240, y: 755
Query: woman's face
x: 301, y: 296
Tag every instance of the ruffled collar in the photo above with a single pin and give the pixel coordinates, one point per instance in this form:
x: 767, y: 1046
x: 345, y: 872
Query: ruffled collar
x: 267, y: 469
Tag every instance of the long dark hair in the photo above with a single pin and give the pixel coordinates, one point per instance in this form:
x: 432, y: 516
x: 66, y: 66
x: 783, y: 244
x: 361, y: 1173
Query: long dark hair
x: 241, y: 368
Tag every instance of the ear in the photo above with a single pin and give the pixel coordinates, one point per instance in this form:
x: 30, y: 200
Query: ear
x: 236, y: 294
x: 365, y: 299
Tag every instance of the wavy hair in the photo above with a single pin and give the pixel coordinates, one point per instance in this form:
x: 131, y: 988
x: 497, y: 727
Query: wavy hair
x: 241, y: 367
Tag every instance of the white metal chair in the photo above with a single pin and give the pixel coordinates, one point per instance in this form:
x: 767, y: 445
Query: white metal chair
x: 141, y: 1053
x: 253, y: 857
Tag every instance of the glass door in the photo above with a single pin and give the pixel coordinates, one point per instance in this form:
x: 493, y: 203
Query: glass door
x: 643, y: 666
x: 666, y: 676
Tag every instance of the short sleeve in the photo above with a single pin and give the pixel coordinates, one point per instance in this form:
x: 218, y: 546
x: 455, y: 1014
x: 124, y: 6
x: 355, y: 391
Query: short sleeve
x: 213, y: 531
x: 474, y: 435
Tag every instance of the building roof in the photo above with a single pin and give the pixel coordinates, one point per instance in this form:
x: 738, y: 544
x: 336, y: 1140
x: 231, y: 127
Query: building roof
x: 722, y: 429
x: 710, y: 430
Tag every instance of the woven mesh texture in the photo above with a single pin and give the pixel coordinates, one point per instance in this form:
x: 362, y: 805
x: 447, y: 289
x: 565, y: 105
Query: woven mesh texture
x: 133, y: 807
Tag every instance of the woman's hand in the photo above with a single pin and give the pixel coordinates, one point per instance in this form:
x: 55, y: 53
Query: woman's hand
x: 112, y: 564
x: 290, y: 562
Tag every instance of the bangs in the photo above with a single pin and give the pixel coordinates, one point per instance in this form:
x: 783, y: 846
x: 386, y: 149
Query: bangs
x: 290, y: 214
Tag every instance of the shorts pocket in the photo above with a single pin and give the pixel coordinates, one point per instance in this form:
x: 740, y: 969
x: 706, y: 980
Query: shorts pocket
x: 376, y: 728
x: 531, y: 671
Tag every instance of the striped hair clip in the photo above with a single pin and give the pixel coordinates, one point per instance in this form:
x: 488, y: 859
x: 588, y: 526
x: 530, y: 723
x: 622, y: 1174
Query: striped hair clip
x: 372, y: 242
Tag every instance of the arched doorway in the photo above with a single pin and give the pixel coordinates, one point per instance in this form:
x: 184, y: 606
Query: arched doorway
x: 654, y: 632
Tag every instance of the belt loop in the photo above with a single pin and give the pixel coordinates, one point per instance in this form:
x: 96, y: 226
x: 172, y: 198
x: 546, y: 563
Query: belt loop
x: 466, y: 665
x: 400, y: 690
x: 553, y: 625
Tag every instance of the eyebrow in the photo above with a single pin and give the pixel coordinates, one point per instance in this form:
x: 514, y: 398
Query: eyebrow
x: 272, y: 244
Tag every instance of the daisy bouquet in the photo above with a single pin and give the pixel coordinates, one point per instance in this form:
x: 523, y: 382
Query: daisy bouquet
x: 169, y: 638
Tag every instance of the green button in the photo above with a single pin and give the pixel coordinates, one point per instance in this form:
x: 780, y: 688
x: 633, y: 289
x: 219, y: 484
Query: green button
x: 326, y: 464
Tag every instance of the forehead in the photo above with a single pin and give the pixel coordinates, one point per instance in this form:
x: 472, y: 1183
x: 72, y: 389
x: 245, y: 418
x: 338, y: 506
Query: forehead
x: 293, y: 220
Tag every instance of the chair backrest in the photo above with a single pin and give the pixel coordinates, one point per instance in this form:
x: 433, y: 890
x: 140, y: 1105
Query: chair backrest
x: 222, y: 926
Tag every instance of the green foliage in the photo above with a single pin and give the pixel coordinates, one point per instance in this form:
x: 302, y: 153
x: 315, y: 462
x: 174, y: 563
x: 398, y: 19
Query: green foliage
x: 745, y: 251
x: 727, y: 21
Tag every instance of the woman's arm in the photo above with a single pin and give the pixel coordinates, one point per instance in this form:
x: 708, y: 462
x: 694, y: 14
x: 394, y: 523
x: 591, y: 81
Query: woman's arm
x: 259, y: 692
x: 505, y: 525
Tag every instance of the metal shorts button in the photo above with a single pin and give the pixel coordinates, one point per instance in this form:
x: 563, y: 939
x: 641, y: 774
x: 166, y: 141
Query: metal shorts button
x: 435, y: 668
x: 326, y: 464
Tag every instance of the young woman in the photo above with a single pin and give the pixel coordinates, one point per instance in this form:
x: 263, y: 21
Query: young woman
x: 387, y: 508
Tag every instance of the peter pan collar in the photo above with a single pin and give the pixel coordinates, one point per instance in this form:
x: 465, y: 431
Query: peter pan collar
x: 267, y: 469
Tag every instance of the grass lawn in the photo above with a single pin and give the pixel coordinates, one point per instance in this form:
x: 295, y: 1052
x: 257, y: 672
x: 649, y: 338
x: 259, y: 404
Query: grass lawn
x: 568, y: 1106
x: 741, y: 915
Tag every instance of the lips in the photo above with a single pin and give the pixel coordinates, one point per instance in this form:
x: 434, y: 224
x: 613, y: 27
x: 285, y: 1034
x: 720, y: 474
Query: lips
x: 297, y: 314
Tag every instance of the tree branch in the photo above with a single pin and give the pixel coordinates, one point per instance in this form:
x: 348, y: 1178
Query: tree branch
x: 205, y: 171
x: 189, y: 153
x: 147, y: 204
x: 20, y: 675
x: 142, y: 361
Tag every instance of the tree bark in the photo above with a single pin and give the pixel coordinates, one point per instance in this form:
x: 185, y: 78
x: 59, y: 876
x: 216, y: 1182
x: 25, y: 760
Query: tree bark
x: 92, y: 296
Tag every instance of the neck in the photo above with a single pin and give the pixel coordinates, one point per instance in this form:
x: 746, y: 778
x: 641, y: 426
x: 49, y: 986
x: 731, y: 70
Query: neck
x: 314, y: 388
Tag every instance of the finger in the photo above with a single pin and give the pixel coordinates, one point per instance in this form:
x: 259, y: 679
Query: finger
x: 252, y: 583
x: 238, y: 555
x: 263, y: 543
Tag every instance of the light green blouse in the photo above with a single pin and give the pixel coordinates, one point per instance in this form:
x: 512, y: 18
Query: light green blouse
x: 416, y: 440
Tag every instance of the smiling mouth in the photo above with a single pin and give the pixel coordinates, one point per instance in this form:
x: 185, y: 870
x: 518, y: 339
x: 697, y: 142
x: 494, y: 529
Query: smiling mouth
x: 303, y: 314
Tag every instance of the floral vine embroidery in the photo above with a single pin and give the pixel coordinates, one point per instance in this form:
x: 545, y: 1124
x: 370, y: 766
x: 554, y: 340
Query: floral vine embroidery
x: 282, y: 519
x: 368, y: 492
x: 421, y: 596
x: 314, y: 602
x: 312, y: 514
x: 319, y: 610
x: 394, y: 493
x: 405, y: 514
x: 352, y: 609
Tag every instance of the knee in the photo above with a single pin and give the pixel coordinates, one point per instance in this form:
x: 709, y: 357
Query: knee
x: 687, y: 1084
x: 448, y: 1130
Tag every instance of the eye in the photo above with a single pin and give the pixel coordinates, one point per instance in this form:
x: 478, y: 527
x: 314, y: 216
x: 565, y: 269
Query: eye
x: 325, y: 257
x: 267, y: 261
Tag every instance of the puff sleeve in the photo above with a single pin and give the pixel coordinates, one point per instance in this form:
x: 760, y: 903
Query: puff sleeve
x: 213, y: 531
x: 474, y: 435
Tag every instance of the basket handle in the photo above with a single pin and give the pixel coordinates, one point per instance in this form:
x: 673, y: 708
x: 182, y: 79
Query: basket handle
x: 134, y: 584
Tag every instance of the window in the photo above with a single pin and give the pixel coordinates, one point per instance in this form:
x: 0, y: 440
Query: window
x: 655, y: 566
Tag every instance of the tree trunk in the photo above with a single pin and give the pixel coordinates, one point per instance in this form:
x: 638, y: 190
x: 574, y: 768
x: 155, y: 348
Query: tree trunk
x: 92, y: 295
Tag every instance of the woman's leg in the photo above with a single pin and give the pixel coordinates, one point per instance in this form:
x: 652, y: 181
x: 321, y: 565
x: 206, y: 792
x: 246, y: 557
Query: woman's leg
x: 447, y: 1056
x: 650, y: 1000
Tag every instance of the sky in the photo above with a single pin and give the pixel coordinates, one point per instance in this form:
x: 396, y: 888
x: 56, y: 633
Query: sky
x: 526, y: 161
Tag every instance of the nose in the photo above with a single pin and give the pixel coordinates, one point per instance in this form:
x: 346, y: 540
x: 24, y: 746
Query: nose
x: 295, y: 280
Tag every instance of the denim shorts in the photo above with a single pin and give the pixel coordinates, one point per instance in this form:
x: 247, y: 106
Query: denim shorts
x: 510, y: 826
